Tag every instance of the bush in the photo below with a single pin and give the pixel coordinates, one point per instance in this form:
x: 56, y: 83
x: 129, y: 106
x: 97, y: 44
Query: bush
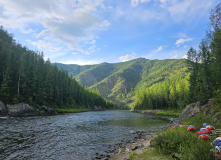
x: 172, y: 141
x: 184, y: 143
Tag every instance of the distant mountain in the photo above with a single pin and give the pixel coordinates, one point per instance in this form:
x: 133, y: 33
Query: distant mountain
x: 73, y: 69
x: 119, y: 81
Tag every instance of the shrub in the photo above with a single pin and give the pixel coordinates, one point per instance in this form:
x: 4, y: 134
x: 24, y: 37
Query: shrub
x: 184, y: 143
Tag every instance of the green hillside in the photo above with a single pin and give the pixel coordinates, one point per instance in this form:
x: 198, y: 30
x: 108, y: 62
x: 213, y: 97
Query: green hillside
x: 26, y: 77
x: 119, y: 81
x: 73, y: 69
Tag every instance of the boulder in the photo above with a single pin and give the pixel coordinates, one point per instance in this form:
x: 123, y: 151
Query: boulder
x: 191, y: 110
x: 152, y: 144
x: 21, y: 109
x: 98, y: 108
x: 49, y: 111
x: 3, y: 109
x: 134, y: 146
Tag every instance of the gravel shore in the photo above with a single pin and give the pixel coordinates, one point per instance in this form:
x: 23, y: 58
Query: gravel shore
x: 122, y: 151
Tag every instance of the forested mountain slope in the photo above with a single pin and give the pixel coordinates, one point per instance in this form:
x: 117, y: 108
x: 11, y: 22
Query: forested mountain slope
x: 119, y: 81
x: 26, y: 77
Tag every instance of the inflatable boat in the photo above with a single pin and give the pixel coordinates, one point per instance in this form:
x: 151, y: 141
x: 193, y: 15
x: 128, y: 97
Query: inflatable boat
x: 204, y: 137
x: 217, y: 142
x: 210, y: 127
x: 204, y: 132
x: 191, y: 128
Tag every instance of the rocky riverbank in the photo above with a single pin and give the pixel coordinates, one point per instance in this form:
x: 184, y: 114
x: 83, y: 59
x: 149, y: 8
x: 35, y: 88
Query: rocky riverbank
x: 23, y: 109
x: 122, y: 150
x: 146, y: 111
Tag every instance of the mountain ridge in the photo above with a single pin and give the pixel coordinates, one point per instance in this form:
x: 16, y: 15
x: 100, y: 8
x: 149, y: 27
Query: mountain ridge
x: 119, y: 81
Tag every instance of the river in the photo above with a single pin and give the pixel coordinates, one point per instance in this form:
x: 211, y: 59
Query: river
x: 73, y: 136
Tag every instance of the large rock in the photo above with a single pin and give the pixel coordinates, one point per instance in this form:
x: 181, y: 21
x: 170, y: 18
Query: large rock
x: 134, y: 146
x: 98, y: 108
x: 49, y: 111
x: 21, y: 109
x: 210, y: 111
x: 191, y: 110
x: 3, y: 109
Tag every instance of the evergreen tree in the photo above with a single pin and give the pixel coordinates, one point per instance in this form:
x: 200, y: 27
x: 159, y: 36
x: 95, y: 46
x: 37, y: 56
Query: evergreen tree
x: 26, y: 77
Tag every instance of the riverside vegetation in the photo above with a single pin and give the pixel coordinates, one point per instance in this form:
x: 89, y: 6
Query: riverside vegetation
x: 204, y: 82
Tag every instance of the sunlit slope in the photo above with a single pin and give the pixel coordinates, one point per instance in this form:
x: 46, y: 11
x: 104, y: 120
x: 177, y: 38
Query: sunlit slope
x: 119, y: 81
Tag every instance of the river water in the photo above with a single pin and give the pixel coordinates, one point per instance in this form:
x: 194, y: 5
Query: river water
x: 73, y: 136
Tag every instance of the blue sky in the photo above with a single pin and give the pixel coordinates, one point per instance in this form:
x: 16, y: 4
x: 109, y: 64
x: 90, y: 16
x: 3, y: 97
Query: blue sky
x: 95, y: 31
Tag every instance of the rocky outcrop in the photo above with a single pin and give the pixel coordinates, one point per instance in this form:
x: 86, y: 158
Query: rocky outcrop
x: 207, y: 109
x: 191, y: 110
x: 3, y: 109
x: 21, y: 109
x: 98, y: 108
x: 48, y: 111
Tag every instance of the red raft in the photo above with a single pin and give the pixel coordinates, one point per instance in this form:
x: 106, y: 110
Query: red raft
x: 191, y: 128
x: 204, y: 132
x: 210, y: 127
x: 204, y: 137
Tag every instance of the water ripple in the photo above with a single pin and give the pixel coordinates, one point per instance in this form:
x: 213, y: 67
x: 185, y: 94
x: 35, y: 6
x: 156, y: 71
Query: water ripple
x: 70, y: 136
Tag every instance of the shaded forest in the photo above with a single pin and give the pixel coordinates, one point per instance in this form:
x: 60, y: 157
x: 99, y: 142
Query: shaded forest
x: 26, y: 77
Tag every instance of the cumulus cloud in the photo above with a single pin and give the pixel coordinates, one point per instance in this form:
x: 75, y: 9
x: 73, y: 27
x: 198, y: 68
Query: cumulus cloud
x: 183, y: 40
x: 128, y: 57
x: 63, y: 21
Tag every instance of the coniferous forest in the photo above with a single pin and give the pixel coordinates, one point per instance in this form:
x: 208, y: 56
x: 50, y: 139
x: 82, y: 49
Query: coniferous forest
x: 26, y: 77
x: 203, y: 81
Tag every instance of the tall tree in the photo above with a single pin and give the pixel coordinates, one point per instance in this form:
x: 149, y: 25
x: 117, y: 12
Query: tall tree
x: 192, y: 63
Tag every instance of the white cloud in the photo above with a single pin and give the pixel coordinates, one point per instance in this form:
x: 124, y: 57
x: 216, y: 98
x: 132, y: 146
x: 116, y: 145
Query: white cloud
x: 136, y: 2
x: 80, y: 62
x: 163, y: 1
x: 186, y: 9
x: 62, y: 21
x: 182, y: 35
x: 75, y: 53
x: 166, y: 10
x: 154, y: 53
x: 185, y: 56
x: 128, y: 57
x: 92, y: 47
x: 174, y: 56
x: 93, y: 41
x: 158, y: 49
x: 183, y: 40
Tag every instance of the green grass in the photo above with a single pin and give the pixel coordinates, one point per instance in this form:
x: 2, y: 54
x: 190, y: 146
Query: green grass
x: 42, y: 112
x: 150, y: 154
x: 186, y: 144
x: 176, y: 113
x: 73, y: 110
